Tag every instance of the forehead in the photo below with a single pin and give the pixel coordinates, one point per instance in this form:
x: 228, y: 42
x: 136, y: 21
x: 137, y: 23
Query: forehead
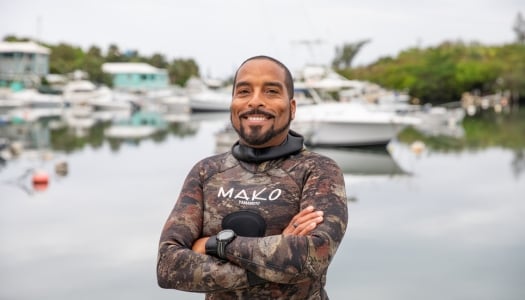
x: 260, y: 69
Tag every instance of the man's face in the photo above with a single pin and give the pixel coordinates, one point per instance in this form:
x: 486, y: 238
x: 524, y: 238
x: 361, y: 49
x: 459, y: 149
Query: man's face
x: 261, y: 110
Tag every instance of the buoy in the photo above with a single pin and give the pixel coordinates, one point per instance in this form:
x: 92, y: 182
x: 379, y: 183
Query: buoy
x: 61, y: 168
x: 40, y: 176
x: 40, y: 180
x: 417, y: 147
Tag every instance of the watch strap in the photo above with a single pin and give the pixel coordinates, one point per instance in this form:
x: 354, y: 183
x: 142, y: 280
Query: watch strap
x: 221, y: 248
x: 211, y: 245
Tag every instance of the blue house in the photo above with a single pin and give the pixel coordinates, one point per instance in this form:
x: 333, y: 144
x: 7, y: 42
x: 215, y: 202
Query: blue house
x: 136, y: 77
x: 22, y: 64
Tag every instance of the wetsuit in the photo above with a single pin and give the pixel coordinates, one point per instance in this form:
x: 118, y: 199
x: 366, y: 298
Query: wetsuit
x: 276, y: 183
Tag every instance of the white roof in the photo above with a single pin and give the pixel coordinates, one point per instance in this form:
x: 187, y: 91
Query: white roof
x: 25, y: 47
x: 126, y: 68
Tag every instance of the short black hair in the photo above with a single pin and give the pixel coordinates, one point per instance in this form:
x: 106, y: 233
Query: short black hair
x: 288, y: 79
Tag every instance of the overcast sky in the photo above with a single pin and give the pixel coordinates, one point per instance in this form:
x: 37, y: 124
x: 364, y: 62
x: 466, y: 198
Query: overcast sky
x: 220, y: 34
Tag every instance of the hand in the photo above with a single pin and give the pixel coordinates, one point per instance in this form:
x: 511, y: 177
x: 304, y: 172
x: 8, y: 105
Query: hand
x: 304, y: 222
x: 199, y: 245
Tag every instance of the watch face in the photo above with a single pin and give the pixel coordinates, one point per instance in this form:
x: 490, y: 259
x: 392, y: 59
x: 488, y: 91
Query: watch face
x: 225, y: 235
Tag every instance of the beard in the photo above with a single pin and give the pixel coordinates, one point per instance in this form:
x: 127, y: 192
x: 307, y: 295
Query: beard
x: 256, y: 137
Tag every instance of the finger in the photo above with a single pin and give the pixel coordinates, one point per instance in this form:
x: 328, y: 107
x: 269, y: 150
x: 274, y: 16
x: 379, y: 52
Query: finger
x: 308, y: 217
x: 297, y: 218
x: 306, y: 227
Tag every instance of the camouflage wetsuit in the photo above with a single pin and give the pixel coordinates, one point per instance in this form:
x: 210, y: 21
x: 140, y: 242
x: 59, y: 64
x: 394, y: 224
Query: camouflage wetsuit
x: 277, y: 183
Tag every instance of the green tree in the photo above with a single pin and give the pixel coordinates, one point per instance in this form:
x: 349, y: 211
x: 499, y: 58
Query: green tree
x: 65, y: 58
x: 158, y: 60
x: 442, y: 73
x: 114, y: 54
x: 180, y: 70
x: 93, y: 66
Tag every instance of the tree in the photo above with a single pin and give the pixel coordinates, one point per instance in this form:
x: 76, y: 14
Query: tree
x: 12, y: 38
x: 93, y: 61
x: 519, y: 29
x: 180, y: 70
x: 114, y: 54
x: 65, y: 58
x: 345, y: 55
x: 158, y: 60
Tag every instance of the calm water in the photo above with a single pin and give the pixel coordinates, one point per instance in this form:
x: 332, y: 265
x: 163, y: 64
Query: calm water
x: 434, y: 225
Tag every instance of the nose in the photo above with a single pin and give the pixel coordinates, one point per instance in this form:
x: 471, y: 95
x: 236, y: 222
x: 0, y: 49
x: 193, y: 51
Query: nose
x: 256, y: 100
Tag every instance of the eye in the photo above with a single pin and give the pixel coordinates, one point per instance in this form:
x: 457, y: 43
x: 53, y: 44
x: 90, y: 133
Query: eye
x: 242, y: 91
x: 272, y: 91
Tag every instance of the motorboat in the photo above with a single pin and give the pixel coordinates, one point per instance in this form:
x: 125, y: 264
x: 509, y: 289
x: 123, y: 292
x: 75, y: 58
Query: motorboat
x: 33, y: 106
x: 441, y: 120
x: 347, y: 124
x: 211, y: 100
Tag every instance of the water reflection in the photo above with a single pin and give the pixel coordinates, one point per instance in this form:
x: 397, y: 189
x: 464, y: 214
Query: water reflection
x: 65, y: 138
x: 454, y: 210
x: 364, y: 161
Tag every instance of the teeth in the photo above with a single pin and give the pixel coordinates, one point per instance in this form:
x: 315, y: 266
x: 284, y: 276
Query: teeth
x: 256, y: 118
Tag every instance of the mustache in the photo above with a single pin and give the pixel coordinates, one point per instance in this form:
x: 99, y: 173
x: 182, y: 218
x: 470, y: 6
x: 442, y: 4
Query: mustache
x: 256, y: 111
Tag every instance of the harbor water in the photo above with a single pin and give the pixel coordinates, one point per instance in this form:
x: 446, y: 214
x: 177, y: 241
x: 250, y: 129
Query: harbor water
x: 434, y: 222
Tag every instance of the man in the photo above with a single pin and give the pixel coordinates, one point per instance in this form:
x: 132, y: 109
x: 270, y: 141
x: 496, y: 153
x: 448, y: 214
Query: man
x: 264, y: 220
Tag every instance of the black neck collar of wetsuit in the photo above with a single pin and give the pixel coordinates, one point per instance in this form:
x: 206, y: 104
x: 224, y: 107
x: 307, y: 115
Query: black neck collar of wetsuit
x: 292, y: 145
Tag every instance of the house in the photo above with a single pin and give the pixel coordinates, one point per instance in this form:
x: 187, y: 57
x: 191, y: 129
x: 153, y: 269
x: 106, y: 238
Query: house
x: 22, y: 64
x: 136, y: 77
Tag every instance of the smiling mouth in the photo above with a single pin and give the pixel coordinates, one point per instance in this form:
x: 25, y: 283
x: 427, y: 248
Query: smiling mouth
x: 256, y: 117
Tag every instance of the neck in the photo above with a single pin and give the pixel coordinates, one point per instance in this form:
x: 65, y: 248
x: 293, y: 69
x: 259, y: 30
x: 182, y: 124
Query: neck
x: 292, y: 143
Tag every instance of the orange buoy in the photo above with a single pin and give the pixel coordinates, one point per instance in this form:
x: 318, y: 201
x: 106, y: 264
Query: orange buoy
x: 40, y: 180
x: 40, y: 177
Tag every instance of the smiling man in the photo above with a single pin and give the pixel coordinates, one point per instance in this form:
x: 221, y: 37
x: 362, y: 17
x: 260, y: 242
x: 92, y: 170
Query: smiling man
x: 264, y: 220
x: 262, y: 107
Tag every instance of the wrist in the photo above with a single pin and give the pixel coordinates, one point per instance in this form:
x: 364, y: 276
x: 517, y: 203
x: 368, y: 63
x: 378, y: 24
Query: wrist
x: 224, y: 237
x: 216, y: 244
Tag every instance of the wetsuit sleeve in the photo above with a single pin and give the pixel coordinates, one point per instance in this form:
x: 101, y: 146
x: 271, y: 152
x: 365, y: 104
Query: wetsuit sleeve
x: 290, y: 259
x: 178, y: 266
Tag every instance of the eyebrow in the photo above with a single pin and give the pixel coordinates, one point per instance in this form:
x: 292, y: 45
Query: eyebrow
x: 275, y: 84
x: 266, y: 84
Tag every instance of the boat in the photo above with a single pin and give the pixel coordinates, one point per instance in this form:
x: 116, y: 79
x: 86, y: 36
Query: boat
x: 34, y: 106
x: 348, y: 124
x: 6, y: 106
x: 444, y: 120
x: 211, y: 100
x: 141, y: 124
x: 101, y: 98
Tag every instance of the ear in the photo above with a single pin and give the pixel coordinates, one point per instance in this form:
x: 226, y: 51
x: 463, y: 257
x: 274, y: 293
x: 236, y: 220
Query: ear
x: 293, y: 105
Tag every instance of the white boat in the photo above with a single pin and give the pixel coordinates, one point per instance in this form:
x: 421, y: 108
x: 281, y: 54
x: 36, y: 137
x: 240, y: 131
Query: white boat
x: 80, y: 92
x: 139, y: 125
x: 35, y: 106
x: 441, y: 120
x: 84, y: 92
x: 347, y: 124
x: 211, y: 100
x: 113, y: 101
x: 6, y: 106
